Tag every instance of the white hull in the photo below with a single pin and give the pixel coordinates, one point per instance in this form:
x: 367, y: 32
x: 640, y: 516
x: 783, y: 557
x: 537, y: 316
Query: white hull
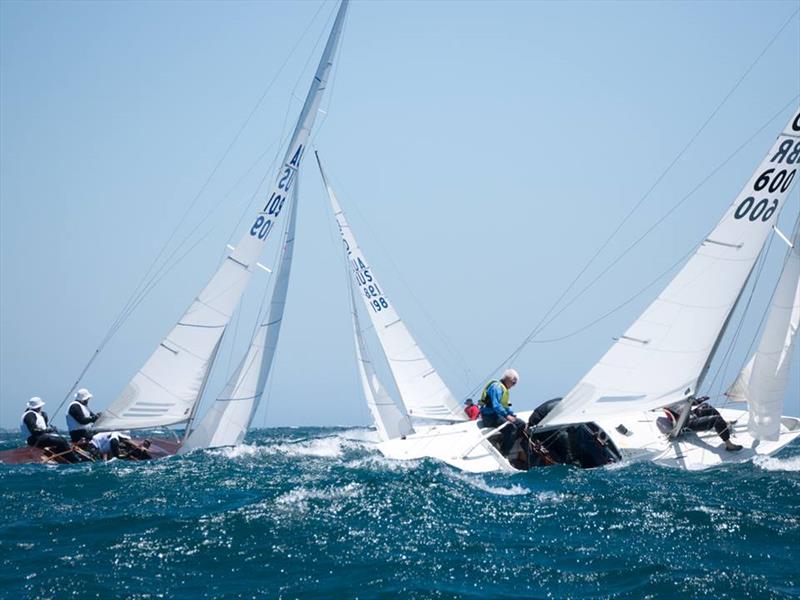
x: 461, y: 445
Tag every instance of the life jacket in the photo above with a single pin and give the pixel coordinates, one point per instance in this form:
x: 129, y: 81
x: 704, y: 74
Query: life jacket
x: 40, y: 422
x: 72, y: 424
x: 484, y: 401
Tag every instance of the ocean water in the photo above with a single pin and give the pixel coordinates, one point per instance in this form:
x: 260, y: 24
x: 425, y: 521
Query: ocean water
x: 318, y: 513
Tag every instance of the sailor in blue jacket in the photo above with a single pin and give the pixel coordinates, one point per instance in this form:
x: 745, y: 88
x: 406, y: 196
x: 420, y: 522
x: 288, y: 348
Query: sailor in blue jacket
x: 496, y: 408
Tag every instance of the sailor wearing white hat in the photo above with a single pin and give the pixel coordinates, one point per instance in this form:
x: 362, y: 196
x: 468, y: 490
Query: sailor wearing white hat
x: 36, y: 426
x: 79, y: 417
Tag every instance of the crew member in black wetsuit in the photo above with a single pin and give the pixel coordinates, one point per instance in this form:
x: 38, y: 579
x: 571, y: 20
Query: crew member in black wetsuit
x: 36, y: 425
x: 704, y: 417
x: 79, y: 417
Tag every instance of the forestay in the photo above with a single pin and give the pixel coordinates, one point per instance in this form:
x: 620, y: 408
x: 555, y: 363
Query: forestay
x: 424, y: 394
x: 663, y: 357
x: 228, y: 419
x: 764, y: 379
x: 166, y: 389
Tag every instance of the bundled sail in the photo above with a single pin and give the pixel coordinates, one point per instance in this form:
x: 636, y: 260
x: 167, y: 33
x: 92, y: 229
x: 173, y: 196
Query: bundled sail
x: 663, y: 357
x: 167, y: 389
x: 764, y: 379
x: 423, y: 393
x: 227, y: 420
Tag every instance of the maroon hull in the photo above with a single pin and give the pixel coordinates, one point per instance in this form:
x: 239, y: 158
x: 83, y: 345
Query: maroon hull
x: 159, y: 448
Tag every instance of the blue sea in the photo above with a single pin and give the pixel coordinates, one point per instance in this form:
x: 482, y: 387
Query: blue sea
x: 319, y: 513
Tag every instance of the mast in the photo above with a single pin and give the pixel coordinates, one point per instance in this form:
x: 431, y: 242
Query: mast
x: 765, y: 377
x: 168, y: 386
x: 422, y: 390
x: 663, y: 356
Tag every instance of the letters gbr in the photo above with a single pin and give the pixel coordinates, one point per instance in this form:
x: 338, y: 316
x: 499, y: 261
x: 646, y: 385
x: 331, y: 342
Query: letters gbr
x: 775, y: 180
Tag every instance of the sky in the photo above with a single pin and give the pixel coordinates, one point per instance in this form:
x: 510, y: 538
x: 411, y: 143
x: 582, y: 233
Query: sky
x: 483, y: 151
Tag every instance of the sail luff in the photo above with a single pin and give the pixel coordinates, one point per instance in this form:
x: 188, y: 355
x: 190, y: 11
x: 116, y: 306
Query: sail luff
x: 765, y: 377
x: 422, y: 391
x: 662, y: 356
x: 391, y: 420
x: 230, y: 416
x: 167, y: 387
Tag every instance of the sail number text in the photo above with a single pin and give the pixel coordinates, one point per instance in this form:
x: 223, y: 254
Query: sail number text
x: 272, y: 208
x: 364, y: 280
x: 772, y: 181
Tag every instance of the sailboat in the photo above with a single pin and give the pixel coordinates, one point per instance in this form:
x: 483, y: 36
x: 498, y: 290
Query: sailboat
x: 167, y: 390
x: 660, y: 361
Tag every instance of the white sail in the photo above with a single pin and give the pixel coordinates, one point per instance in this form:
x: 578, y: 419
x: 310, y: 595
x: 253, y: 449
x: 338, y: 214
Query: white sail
x: 663, y: 357
x: 227, y: 420
x: 737, y: 392
x: 168, y: 386
x: 421, y: 389
x: 764, y: 379
x: 391, y: 420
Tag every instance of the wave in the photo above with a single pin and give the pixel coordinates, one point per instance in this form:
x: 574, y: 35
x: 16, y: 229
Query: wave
x: 770, y: 463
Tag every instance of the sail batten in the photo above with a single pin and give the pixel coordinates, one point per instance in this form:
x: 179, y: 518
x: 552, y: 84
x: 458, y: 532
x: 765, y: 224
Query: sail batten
x: 175, y: 372
x: 685, y: 322
x: 229, y: 417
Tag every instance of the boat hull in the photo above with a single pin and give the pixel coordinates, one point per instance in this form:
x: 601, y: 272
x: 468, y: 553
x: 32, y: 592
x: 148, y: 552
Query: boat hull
x: 159, y: 448
x: 462, y: 445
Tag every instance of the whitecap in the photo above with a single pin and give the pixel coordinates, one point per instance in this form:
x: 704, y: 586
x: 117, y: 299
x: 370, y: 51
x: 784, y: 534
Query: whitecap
x: 479, y: 483
x: 770, y: 463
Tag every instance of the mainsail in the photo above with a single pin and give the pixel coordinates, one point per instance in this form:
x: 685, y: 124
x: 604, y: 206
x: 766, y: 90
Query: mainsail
x: 764, y: 379
x: 663, y: 357
x: 424, y: 394
x: 227, y: 420
x: 166, y: 389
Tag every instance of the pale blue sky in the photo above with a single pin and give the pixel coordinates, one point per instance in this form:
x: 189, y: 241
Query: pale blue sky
x: 482, y: 150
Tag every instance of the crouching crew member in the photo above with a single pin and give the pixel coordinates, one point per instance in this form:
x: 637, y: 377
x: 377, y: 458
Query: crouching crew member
x: 107, y: 444
x: 496, y: 408
x: 704, y: 417
x: 36, y: 426
x: 79, y: 417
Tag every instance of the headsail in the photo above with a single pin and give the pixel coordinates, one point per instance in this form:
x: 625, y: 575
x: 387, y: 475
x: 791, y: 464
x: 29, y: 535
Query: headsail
x: 663, y: 357
x: 391, y: 420
x: 421, y: 389
x: 227, y: 420
x: 166, y: 388
x: 764, y: 379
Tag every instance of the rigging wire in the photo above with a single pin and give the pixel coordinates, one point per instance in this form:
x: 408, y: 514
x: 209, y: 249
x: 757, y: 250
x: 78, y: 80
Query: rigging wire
x: 545, y: 321
x: 145, y: 284
x: 758, y: 330
x: 723, y: 365
x: 658, y: 180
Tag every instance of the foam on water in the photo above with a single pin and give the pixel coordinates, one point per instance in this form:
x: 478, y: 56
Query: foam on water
x: 320, y: 513
x: 771, y: 463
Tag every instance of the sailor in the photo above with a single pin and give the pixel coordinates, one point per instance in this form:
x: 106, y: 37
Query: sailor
x: 704, y: 417
x: 36, y: 426
x: 107, y: 444
x: 495, y: 408
x: 471, y: 410
x: 79, y: 417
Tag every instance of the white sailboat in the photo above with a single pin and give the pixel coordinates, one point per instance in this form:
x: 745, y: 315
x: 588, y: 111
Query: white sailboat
x: 168, y: 388
x: 662, y: 359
